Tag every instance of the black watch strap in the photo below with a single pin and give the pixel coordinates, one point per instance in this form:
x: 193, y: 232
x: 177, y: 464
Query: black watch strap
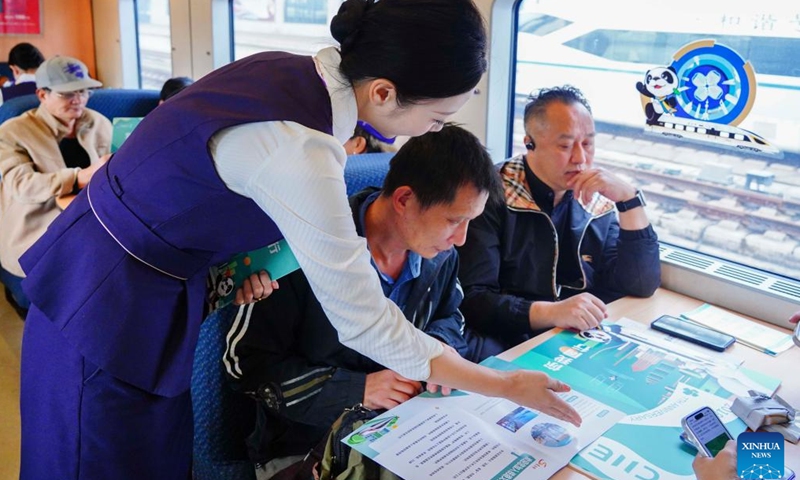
x: 636, y: 201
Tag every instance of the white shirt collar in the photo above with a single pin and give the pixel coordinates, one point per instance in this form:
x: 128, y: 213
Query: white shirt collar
x: 26, y: 77
x: 343, y: 98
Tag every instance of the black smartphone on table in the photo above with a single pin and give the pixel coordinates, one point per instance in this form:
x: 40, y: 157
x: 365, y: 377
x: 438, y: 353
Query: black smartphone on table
x: 686, y: 330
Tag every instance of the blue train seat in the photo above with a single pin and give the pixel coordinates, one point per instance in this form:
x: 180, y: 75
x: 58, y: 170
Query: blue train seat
x: 119, y: 102
x: 111, y: 102
x: 223, y: 418
x: 366, y: 170
x: 17, y: 106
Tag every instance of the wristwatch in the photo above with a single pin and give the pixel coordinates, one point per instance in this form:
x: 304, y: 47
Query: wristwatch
x: 636, y: 201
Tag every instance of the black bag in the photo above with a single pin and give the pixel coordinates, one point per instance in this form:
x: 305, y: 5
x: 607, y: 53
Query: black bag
x: 333, y: 460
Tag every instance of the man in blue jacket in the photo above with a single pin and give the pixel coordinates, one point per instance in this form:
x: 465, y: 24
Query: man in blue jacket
x: 284, y: 351
x: 557, y: 250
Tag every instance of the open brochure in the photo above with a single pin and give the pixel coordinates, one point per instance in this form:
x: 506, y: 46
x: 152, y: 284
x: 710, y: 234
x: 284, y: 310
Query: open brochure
x: 276, y: 259
x: 655, y: 382
x: 470, y: 436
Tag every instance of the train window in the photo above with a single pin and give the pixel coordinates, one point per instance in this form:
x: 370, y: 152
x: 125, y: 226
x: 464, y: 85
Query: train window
x: 155, y: 45
x: 540, y: 24
x: 296, y: 26
x: 728, y: 192
x: 774, y: 56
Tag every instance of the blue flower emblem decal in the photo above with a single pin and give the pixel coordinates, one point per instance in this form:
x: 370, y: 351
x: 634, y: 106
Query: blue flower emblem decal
x: 714, y: 83
x: 707, y: 86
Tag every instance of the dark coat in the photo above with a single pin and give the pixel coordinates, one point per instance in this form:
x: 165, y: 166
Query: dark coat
x: 290, y: 357
x: 511, y: 255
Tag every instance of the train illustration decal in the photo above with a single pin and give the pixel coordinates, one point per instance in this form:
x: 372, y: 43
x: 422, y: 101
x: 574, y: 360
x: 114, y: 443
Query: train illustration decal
x: 702, y: 96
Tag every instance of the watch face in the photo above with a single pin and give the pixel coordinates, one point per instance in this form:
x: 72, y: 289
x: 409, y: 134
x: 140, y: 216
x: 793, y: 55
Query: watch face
x: 640, y: 197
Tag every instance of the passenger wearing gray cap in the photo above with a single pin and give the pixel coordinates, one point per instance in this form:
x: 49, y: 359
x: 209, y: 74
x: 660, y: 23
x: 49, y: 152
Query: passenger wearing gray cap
x: 45, y: 153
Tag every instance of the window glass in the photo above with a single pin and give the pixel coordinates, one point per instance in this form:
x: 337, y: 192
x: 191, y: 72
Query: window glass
x: 155, y: 45
x: 296, y: 26
x: 731, y: 190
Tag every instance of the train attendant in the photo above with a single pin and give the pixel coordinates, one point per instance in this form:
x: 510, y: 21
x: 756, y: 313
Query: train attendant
x: 248, y: 154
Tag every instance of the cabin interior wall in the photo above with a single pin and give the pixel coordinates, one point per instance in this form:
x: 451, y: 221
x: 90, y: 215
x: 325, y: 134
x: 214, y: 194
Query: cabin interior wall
x: 66, y: 30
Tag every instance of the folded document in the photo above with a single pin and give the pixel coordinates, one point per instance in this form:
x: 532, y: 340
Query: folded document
x: 748, y: 333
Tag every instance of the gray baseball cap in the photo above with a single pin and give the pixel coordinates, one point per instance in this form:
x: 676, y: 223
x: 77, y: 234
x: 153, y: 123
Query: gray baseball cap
x: 64, y: 74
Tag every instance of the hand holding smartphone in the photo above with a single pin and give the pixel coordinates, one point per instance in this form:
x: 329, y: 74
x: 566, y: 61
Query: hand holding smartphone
x: 686, y: 330
x: 706, y: 431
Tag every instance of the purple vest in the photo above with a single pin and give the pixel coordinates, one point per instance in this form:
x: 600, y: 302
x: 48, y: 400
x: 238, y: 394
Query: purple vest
x: 18, y: 90
x: 122, y: 271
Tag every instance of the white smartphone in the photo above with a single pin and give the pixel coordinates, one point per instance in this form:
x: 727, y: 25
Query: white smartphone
x: 706, y: 431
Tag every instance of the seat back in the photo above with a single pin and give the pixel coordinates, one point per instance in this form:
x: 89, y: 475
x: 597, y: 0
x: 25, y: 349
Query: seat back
x: 5, y: 70
x: 366, y: 170
x: 17, y: 106
x: 223, y: 418
x: 119, y: 102
x: 111, y: 102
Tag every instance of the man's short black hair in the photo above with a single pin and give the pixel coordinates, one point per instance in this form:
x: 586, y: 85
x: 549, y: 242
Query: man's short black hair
x: 25, y: 56
x: 173, y: 86
x: 437, y: 164
x: 539, y: 100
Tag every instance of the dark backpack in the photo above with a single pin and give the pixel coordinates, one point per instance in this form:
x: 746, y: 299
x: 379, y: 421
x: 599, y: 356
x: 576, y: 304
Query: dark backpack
x: 333, y: 460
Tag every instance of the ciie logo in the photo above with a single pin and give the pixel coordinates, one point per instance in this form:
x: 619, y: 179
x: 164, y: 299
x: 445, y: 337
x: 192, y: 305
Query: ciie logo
x: 760, y: 455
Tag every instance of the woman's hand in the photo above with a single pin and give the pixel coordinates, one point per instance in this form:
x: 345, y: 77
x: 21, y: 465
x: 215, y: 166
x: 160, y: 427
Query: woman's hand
x: 538, y: 390
x: 531, y: 389
x: 434, y: 387
x: 257, y: 286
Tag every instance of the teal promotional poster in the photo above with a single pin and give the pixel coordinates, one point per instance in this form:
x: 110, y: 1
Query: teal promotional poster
x: 655, y: 383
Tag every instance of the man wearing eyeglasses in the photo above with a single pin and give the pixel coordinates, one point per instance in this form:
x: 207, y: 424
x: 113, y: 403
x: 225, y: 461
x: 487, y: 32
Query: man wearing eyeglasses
x: 46, y: 153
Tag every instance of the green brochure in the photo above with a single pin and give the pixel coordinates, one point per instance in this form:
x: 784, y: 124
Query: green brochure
x: 123, y: 127
x: 277, y: 259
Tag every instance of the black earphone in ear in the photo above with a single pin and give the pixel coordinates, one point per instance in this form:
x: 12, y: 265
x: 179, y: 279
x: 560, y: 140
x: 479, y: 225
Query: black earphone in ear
x: 530, y: 145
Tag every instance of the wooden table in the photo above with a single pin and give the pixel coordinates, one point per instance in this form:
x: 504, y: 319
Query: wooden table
x: 785, y: 366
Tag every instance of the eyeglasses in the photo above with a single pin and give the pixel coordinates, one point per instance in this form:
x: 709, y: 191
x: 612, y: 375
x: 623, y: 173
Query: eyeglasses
x: 70, y: 96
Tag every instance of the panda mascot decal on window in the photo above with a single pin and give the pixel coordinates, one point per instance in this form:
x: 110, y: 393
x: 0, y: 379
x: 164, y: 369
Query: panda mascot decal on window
x: 702, y: 96
x: 660, y: 85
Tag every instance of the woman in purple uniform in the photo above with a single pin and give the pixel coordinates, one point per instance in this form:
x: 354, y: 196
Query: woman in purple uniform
x: 248, y: 154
